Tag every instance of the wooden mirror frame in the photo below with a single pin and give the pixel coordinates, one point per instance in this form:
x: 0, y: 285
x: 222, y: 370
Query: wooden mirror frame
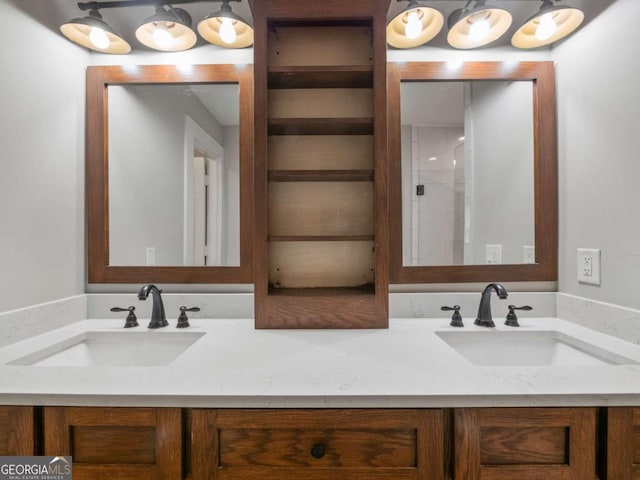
x: 545, y: 171
x: 97, y: 158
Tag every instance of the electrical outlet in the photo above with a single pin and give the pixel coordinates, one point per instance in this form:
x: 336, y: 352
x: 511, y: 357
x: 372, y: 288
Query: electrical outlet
x: 493, y: 254
x: 589, y: 266
x: 528, y: 254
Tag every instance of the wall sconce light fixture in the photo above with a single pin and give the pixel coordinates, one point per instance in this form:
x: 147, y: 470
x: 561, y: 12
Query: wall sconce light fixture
x: 477, y: 24
x: 168, y: 30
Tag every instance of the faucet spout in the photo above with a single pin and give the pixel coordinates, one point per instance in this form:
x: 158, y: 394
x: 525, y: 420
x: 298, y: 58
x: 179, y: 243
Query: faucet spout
x: 484, y: 318
x: 158, y: 317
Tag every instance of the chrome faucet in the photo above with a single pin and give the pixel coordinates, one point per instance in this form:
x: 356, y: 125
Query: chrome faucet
x: 158, y: 318
x: 484, y: 310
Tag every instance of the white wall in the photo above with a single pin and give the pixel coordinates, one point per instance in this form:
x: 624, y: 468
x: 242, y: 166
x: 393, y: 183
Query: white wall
x: 146, y: 170
x: 500, y: 147
x: 598, y: 78
x: 41, y: 163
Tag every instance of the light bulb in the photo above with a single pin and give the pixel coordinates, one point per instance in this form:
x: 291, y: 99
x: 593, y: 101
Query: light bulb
x: 547, y: 27
x: 99, y: 38
x: 413, y: 28
x: 161, y: 35
x: 227, y: 32
x: 479, y: 30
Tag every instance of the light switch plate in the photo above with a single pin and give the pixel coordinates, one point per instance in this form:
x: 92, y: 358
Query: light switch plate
x: 589, y: 266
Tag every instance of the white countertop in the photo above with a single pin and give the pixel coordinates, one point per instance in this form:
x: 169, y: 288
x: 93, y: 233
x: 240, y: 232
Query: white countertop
x: 234, y: 365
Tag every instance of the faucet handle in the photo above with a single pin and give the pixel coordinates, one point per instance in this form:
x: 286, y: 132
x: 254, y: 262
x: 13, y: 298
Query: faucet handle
x: 512, y: 318
x: 183, y: 320
x: 131, y: 320
x: 456, y: 318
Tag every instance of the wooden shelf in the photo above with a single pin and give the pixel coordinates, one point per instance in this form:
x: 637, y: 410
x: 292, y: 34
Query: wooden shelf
x: 323, y: 292
x: 338, y: 76
x: 321, y: 175
x: 320, y: 126
x: 321, y: 238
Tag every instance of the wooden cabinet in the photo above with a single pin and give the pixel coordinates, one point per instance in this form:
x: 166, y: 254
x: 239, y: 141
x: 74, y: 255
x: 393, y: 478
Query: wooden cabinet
x: 321, y: 244
x: 620, y: 449
x: 117, y: 443
x: 525, y: 444
x: 331, y: 444
x: 319, y: 444
x: 18, y: 426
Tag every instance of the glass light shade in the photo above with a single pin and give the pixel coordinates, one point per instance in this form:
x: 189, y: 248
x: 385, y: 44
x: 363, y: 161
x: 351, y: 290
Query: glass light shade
x: 414, y: 26
x: 558, y: 22
x: 167, y: 31
x: 95, y: 34
x: 478, y: 27
x: 226, y: 29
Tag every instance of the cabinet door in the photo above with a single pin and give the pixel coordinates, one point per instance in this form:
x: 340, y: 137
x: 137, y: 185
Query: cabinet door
x: 17, y: 435
x: 318, y: 444
x: 116, y: 443
x: 525, y: 444
x: 621, y: 427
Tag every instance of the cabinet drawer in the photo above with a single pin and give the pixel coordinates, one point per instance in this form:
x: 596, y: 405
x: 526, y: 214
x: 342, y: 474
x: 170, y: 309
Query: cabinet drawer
x: 318, y: 444
x: 327, y: 448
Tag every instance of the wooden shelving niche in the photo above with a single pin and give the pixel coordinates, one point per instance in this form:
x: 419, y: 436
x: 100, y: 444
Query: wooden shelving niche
x: 322, y: 173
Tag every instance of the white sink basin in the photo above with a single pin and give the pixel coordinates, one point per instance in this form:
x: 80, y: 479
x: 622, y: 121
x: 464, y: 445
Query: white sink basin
x: 115, y: 349
x: 528, y: 348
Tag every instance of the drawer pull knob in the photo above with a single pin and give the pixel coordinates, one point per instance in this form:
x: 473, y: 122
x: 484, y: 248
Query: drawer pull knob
x: 317, y: 451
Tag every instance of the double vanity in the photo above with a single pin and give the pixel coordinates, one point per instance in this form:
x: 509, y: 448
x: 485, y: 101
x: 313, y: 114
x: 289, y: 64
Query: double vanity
x: 320, y: 372
x: 421, y: 399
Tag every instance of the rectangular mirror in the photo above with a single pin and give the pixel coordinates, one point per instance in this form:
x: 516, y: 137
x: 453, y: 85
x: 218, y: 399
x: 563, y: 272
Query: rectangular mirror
x: 467, y: 172
x: 173, y: 175
x: 169, y: 174
x: 473, y: 172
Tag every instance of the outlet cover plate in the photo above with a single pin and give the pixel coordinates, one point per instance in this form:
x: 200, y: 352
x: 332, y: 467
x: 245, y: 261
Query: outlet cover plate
x: 589, y: 266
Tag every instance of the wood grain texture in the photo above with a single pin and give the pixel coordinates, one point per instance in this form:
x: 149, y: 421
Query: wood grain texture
x: 321, y: 126
x: 621, y: 444
x: 311, y: 45
x: 17, y: 431
x: 545, y: 172
x: 312, y: 152
x: 98, y: 79
x: 320, y: 102
x: 327, y: 9
x: 353, y: 448
x: 303, y: 48
x: 525, y: 443
x: 321, y: 208
x: 320, y: 264
x: 321, y: 175
x: 130, y: 445
x: 116, y: 443
x: 321, y: 76
x: 360, y: 444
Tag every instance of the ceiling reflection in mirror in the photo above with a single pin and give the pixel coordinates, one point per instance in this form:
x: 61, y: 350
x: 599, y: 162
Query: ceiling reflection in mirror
x: 467, y: 173
x: 174, y: 175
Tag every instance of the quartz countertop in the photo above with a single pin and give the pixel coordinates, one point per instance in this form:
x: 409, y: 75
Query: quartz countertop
x: 235, y: 365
